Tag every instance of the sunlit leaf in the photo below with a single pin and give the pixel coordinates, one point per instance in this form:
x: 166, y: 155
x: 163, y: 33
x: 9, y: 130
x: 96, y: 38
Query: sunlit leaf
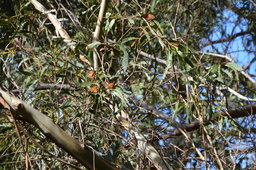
x: 93, y: 45
x: 125, y: 59
x: 234, y: 66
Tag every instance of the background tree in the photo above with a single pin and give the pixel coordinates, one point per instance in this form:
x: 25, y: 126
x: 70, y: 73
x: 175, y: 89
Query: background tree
x: 154, y: 87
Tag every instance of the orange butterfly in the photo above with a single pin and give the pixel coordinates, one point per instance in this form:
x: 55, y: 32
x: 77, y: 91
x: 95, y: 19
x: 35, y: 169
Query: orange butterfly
x: 148, y: 17
x: 94, y: 89
x: 175, y: 44
x: 91, y: 75
x: 111, y: 84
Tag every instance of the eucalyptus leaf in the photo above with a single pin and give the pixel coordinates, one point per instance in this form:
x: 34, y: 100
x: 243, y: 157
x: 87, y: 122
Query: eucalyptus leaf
x: 234, y: 66
x: 93, y: 45
x: 125, y: 59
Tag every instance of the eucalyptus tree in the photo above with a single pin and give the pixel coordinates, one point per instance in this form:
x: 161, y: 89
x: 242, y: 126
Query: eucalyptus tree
x: 127, y: 84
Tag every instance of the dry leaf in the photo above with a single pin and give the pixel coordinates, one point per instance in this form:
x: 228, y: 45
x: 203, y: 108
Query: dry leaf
x: 84, y: 59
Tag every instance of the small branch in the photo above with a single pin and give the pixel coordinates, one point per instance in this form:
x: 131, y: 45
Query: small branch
x: 250, y: 63
x: 240, y: 96
x: 97, y: 32
x: 147, y: 107
x: 46, y: 86
x: 53, y: 19
x: 253, y: 3
x: 249, y: 16
x: 229, y: 38
x: 161, y: 61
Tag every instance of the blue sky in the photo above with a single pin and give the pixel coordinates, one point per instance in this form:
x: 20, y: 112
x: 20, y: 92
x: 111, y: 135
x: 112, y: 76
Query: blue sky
x: 236, y: 48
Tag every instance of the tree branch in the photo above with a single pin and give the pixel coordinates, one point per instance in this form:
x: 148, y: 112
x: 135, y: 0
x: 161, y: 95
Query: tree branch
x: 46, y: 86
x: 242, y: 111
x: 229, y: 38
x: 84, y: 155
x: 59, y: 29
x: 249, y: 16
x: 97, y: 32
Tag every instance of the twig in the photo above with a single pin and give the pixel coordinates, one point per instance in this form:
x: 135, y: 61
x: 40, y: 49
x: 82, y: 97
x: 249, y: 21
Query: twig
x: 250, y: 63
x: 240, y: 96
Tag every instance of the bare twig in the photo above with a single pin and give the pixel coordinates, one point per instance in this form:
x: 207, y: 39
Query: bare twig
x: 250, y: 63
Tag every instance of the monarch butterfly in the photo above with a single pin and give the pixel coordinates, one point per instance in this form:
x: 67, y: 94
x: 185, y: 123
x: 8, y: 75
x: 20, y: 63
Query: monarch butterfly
x: 175, y: 44
x: 94, y: 89
x: 91, y: 75
x: 148, y: 17
x: 111, y: 84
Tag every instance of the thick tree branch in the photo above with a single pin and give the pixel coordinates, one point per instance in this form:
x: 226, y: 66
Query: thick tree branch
x: 242, y: 111
x: 84, y: 155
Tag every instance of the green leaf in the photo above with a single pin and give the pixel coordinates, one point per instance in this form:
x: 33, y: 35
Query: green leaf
x: 168, y: 62
x: 131, y: 21
x: 188, y: 61
x: 109, y: 25
x: 230, y: 75
x: 93, y: 45
x: 128, y: 39
x: 234, y: 66
x: 153, y: 5
x: 220, y: 79
x: 160, y: 27
x: 147, y: 35
x: 125, y: 59
x: 214, y: 68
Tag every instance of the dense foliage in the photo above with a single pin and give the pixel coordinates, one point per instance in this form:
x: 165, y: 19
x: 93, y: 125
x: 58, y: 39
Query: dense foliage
x: 150, y: 67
